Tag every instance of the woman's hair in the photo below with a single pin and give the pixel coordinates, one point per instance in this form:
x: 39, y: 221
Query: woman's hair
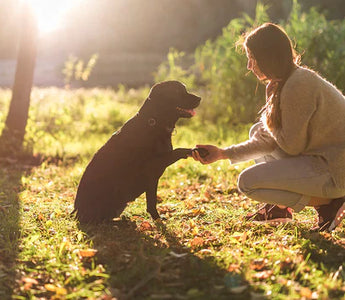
x: 276, y: 58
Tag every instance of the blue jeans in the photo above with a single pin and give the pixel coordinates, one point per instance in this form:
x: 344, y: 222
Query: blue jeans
x: 278, y: 178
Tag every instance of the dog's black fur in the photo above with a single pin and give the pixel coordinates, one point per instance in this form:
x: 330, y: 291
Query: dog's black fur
x: 135, y: 157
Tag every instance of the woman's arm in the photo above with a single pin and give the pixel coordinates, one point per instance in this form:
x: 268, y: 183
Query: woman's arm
x: 259, y: 144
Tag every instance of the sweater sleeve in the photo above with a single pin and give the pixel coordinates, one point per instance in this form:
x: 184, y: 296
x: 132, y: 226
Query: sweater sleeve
x: 297, y: 104
x: 259, y: 144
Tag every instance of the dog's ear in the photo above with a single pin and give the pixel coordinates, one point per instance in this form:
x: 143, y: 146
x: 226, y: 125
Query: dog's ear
x: 164, y: 88
x: 157, y: 90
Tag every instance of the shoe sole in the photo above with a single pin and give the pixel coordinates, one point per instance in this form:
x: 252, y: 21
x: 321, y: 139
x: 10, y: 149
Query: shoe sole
x: 338, y: 218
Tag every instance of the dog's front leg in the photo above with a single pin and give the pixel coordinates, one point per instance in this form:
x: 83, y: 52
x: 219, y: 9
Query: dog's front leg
x: 156, y: 169
x: 151, y: 199
x: 173, y: 156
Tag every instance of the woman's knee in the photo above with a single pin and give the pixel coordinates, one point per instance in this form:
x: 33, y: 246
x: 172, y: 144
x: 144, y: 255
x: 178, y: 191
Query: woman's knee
x: 246, y: 181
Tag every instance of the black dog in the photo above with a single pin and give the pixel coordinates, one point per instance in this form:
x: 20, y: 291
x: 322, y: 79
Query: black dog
x: 135, y: 157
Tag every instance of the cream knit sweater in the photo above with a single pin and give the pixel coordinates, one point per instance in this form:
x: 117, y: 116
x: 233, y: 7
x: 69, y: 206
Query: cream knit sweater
x: 313, y: 123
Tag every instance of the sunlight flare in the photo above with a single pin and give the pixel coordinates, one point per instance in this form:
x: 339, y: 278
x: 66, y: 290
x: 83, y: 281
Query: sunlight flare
x: 50, y: 13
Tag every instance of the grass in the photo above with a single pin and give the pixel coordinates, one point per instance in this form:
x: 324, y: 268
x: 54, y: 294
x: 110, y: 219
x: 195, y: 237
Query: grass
x: 202, y: 249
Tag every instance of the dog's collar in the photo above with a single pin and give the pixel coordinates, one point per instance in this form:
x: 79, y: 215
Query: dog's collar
x: 152, y: 122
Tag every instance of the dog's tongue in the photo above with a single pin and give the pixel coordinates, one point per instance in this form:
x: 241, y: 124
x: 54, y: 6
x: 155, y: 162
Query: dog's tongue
x: 191, y: 111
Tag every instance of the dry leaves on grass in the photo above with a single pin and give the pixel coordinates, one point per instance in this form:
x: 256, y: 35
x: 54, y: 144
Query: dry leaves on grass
x: 167, y: 210
x: 234, y: 268
x: 262, y: 275
x: 59, y: 291
x: 240, y: 236
x: 259, y: 264
x: 197, y: 242
x: 145, y: 226
x: 28, y: 283
x: 286, y: 265
x: 200, y: 211
x: 203, y: 239
x: 87, y: 253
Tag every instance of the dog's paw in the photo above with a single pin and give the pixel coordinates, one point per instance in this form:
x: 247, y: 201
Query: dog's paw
x: 154, y: 214
x: 160, y: 225
x: 184, y: 152
x: 202, y: 152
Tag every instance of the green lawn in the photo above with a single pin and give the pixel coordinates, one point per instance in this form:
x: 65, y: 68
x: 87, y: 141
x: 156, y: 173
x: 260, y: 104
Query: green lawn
x: 202, y: 248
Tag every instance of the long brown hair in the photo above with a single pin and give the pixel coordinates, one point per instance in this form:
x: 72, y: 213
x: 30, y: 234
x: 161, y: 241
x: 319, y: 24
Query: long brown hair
x: 276, y: 58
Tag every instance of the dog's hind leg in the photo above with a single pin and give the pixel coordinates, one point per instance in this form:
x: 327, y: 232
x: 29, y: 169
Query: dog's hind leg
x: 151, y: 199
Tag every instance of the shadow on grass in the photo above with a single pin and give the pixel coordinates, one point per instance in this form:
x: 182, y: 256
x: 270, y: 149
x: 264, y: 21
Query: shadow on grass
x: 155, y: 265
x: 322, y: 249
x: 11, y: 172
x: 328, y: 254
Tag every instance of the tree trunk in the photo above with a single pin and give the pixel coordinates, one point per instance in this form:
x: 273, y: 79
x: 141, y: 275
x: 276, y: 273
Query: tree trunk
x: 19, y: 107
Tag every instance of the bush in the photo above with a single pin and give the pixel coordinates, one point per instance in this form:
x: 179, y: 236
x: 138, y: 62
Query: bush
x: 320, y: 41
x: 231, y: 95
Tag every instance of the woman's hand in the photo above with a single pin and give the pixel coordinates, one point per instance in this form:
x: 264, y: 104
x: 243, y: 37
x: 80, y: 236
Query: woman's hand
x: 214, y: 154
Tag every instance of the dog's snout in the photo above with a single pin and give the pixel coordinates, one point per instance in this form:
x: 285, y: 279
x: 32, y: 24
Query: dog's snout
x: 195, y: 97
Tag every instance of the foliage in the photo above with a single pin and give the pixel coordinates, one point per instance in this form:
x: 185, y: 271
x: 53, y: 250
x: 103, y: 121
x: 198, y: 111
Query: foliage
x: 318, y: 40
x: 203, y: 248
x: 75, y: 69
x: 232, y: 95
x: 60, y: 119
x: 172, y: 69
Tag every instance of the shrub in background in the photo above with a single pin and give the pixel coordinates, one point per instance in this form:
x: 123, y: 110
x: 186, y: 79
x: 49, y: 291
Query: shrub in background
x: 233, y: 96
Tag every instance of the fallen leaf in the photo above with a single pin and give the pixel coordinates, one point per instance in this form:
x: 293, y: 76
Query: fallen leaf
x: 239, y: 236
x: 287, y: 265
x: 29, y: 280
x: 234, y: 268
x: 192, y: 223
x: 259, y: 264
x: 197, y: 212
x: 50, y: 287
x: 137, y: 218
x: 41, y: 217
x: 28, y: 283
x: 263, y: 274
x: 197, y: 242
x: 208, y: 195
x: 195, y: 231
x: 145, y: 226
x: 164, y: 209
x: 60, y: 291
x: 306, y: 293
x: 190, y: 203
x: 87, y: 253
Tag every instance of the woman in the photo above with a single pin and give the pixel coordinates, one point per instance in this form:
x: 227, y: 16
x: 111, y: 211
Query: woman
x: 299, y: 143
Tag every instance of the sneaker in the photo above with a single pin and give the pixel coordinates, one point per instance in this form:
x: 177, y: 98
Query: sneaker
x: 331, y: 215
x: 270, y: 213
